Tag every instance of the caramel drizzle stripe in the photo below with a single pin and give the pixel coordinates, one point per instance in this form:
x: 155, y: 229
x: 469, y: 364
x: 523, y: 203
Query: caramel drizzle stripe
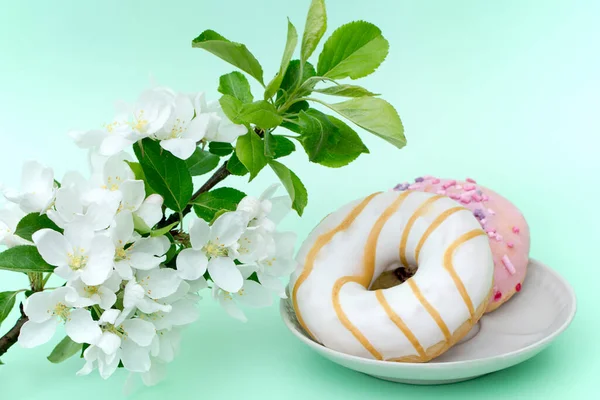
x: 422, y: 209
x: 400, y: 324
x: 321, y: 241
x: 448, y: 255
x: 367, y: 276
x: 430, y: 309
x: 434, y: 225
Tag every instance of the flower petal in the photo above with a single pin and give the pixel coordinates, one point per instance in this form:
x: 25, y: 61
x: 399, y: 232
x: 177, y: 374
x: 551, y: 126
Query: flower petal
x: 228, y: 228
x: 114, y: 144
x: 134, y: 357
x: 81, y: 328
x: 191, y: 264
x: 155, y: 246
x: 159, y: 283
x: 37, y: 306
x: 231, y: 308
x: 179, y: 147
x: 272, y: 283
x: 134, y: 194
x: 253, y: 294
x: 199, y: 233
x: 225, y: 274
x: 151, y: 210
x: 35, y: 334
x: 157, y: 373
x: 100, y: 262
x: 53, y: 246
x: 140, y: 331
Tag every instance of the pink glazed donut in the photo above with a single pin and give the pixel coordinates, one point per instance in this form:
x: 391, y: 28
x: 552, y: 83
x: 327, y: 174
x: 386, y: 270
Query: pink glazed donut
x: 505, y: 225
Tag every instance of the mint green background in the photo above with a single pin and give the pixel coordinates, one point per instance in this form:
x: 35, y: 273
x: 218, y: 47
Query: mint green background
x: 503, y: 91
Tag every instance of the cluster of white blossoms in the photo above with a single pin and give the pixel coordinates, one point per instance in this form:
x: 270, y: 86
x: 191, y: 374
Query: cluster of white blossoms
x: 128, y: 293
x: 179, y: 121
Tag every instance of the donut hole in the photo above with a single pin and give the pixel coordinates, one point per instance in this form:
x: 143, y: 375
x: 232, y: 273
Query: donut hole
x: 393, y: 276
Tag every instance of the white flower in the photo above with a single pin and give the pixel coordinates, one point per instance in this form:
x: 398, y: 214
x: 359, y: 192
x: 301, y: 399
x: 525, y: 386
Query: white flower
x: 278, y: 263
x: 147, y: 116
x: 210, y: 250
x: 219, y: 127
x: 37, y: 188
x: 252, y: 294
x: 10, y: 215
x: 182, y: 132
x: 122, y: 339
x: 183, y: 312
x: 115, y: 171
x: 104, y: 295
x: 46, y: 310
x: 79, y: 253
x: 74, y: 202
x: 149, y: 289
x: 266, y: 211
x: 132, y: 251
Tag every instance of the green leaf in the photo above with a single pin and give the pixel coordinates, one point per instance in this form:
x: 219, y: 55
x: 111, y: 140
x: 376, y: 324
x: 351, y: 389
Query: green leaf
x: 201, y: 162
x: 292, y: 78
x: 231, y: 107
x: 234, y: 53
x: 139, y: 175
x: 354, y: 50
x: 32, y: 223
x: 235, y: 166
x: 292, y: 184
x: 166, y: 174
x: 277, y: 146
x: 7, y: 302
x: 260, y: 113
x: 288, y: 52
x: 163, y: 231
x: 314, y: 29
x: 235, y: 84
x: 220, y: 148
x: 346, y: 91
x: 250, y: 150
x: 64, y: 350
x: 23, y: 259
x: 208, y: 204
x: 374, y: 115
x: 329, y: 141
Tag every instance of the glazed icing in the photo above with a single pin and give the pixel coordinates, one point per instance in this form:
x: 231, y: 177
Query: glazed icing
x: 414, y: 321
x: 505, y: 225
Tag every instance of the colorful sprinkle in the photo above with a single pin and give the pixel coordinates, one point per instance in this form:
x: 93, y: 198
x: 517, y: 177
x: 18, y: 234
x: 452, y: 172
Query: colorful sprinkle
x: 419, y: 179
x: 435, y: 181
x: 508, y: 265
x: 499, y: 237
x: 449, y: 184
x: 493, y: 230
x: 442, y: 192
x: 492, y: 212
x: 518, y: 287
x: 483, y: 221
x: 454, y: 196
x: 516, y: 229
x: 469, y: 187
x: 471, y: 180
x: 459, y: 187
x: 510, y: 245
x: 491, y: 234
x: 497, y: 296
x: 478, y: 213
x: 402, y: 186
x: 477, y: 198
x: 485, y: 197
x: 465, y: 201
x: 414, y: 186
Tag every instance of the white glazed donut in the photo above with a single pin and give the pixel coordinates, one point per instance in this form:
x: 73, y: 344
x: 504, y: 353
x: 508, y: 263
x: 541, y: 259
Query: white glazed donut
x: 414, y: 321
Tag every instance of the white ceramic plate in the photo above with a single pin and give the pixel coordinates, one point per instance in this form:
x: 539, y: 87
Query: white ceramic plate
x: 515, y: 332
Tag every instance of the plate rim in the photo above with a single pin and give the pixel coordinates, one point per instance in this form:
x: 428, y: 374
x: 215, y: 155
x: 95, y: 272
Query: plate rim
x: 540, y: 344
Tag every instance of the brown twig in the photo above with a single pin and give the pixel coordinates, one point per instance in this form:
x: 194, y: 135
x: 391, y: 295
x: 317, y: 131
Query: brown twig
x: 11, y: 337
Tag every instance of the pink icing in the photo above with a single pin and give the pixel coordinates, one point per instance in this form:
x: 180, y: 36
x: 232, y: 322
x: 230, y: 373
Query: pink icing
x: 506, y: 227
